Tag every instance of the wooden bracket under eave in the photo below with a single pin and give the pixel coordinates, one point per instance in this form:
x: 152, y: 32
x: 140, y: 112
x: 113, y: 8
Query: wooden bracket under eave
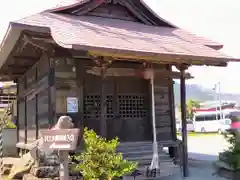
x: 127, y: 72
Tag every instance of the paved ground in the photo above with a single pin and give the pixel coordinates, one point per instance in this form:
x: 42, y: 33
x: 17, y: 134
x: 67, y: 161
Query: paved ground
x: 209, y: 145
x: 196, y: 173
x: 206, y: 147
x: 203, y: 150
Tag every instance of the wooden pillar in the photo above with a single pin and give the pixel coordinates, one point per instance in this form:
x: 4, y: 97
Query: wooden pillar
x: 80, y: 92
x: 36, y: 107
x: 18, y: 112
x: 172, y: 105
x: 103, y: 123
x: 172, y: 150
x: 51, y: 94
x: 25, y: 112
x: 184, y: 121
x: 36, y: 116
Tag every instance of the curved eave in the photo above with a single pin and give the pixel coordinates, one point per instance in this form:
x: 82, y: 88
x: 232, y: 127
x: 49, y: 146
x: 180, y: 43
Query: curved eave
x: 11, y: 38
x: 156, y: 15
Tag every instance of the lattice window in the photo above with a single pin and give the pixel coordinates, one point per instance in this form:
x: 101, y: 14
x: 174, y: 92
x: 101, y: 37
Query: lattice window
x: 92, y: 106
x: 109, y: 107
x: 129, y: 106
x: 132, y: 106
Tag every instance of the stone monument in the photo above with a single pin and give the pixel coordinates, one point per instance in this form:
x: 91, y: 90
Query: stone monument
x: 42, y: 161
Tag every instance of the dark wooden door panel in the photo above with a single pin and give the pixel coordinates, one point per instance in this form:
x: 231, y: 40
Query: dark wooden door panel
x: 93, y: 124
x: 126, y: 107
x: 129, y: 129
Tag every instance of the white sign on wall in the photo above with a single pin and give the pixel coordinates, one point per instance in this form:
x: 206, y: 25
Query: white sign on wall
x: 72, y: 104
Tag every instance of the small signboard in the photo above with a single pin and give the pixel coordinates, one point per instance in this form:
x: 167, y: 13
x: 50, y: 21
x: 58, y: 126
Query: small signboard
x: 63, y: 139
x: 72, y: 104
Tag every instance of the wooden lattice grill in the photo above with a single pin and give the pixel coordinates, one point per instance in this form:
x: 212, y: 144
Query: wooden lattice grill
x: 132, y: 106
x: 92, y: 106
x: 128, y: 106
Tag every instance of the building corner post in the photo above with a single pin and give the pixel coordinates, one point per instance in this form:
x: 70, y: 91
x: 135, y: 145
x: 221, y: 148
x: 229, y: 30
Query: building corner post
x: 184, y: 121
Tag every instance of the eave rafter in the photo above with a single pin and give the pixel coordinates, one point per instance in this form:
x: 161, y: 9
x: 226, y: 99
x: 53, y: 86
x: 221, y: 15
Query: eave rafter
x: 39, y: 42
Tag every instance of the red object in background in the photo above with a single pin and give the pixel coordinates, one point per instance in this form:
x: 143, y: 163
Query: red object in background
x: 235, y: 125
x: 229, y: 106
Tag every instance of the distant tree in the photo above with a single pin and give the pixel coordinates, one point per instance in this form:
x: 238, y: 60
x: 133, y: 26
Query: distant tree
x: 190, y: 106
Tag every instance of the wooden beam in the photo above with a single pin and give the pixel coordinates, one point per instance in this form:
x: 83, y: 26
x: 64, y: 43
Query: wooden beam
x: 136, y: 72
x: 24, y: 58
x: 158, y: 58
x: 80, y: 54
x: 35, y: 88
x: 18, y: 69
x: 43, y: 39
x: 40, y: 45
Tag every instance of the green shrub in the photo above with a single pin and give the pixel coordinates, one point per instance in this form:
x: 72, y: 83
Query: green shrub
x: 10, y: 125
x: 232, y: 155
x: 99, y: 159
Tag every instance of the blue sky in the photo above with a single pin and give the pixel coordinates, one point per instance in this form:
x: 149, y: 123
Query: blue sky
x: 218, y: 20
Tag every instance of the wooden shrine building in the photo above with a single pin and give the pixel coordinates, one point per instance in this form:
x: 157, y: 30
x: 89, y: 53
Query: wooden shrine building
x: 93, y: 60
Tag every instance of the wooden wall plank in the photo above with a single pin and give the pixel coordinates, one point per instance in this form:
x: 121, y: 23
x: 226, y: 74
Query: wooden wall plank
x: 66, y: 84
x: 162, y: 108
x: 31, y: 108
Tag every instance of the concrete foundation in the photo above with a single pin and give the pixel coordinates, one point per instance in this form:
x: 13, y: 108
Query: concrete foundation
x: 9, y: 143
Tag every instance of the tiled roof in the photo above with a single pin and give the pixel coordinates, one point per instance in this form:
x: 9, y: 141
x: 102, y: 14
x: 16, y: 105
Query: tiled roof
x: 96, y: 32
x: 66, y: 4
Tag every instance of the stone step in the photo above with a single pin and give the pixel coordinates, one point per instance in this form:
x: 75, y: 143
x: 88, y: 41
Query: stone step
x: 149, y: 158
x: 134, y: 144
x: 142, y: 147
x: 147, y: 162
x: 143, y: 153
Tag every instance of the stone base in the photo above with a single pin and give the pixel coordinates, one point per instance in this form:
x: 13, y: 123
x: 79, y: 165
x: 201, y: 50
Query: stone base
x: 45, y: 171
x: 9, y: 143
x: 50, y: 171
x: 32, y: 177
x: 224, y: 170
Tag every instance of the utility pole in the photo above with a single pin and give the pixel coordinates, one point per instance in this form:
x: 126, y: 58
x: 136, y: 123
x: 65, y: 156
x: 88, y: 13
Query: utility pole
x: 217, y: 88
x: 216, y: 99
x: 220, y: 101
